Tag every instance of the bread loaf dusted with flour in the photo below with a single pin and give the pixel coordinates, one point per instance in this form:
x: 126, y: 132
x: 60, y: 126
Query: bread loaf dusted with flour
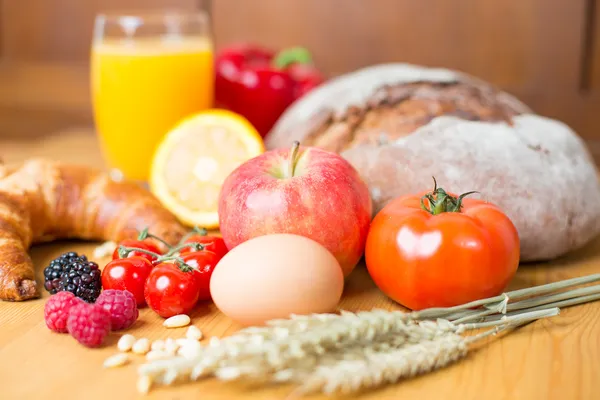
x: 400, y: 124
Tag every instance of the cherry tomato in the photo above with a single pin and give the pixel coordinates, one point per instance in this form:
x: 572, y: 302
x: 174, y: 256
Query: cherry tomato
x: 127, y: 274
x: 215, y: 244
x: 452, y: 252
x: 204, y: 263
x: 141, y: 244
x: 170, y: 290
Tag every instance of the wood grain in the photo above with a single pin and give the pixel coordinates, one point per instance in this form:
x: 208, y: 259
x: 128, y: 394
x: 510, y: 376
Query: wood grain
x: 38, y: 99
x: 345, y: 35
x: 593, y: 46
x: 554, y: 359
x: 532, y: 48
x: 61, y: 30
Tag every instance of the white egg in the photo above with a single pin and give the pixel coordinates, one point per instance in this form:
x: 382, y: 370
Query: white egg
x: 273, y: 276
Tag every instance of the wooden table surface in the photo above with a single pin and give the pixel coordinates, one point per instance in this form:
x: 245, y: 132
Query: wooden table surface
x: 558, y: 358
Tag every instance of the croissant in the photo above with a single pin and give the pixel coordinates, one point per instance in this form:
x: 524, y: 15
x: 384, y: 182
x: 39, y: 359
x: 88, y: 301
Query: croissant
x: 43, y: 200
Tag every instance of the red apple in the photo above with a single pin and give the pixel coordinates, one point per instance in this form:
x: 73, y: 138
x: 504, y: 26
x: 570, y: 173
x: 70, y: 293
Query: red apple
x: 304, y: 191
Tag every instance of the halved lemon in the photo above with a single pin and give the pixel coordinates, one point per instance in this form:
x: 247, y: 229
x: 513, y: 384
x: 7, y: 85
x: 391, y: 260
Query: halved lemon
x: 193, y: 160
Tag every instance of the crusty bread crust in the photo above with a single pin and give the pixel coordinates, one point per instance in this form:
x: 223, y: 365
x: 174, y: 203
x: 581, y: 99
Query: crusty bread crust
x: 407, y: 123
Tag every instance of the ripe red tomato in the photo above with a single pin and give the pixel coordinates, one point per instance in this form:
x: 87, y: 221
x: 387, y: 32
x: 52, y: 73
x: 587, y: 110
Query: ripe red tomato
x: 204, y: 263
x: 141, y: 244
x: 170, y: 290
x: 215, y: 244
x: 127, y: 274
x: 443, y: 254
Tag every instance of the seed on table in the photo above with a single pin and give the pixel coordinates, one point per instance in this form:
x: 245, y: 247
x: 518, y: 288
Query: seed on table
x: 143, y: 384
x: 158, y: 345
x: 116, y: 360
x: 177, y: 321
x: 141, y: 346
x: 194, y: 333
x: 157, y: 355
x: 171, y: 346
x: 105, y: 249
x: 184, y: 341
x: 126, y: 342
x: 192, y: 349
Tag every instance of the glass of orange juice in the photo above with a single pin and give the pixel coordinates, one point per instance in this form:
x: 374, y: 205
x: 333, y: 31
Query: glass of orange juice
x: 148, y: 71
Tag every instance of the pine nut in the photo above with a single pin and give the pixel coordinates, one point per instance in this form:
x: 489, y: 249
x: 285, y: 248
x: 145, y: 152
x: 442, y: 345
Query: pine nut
x: 105, y: 249
x: 194, y: 333
x: 171, y: 346
x: 126, y: 342
x: 177, y: 321
x: 192, y: 349
x: 184, y: 341
x: 158, y: 345
x: 116, y: 360
x: 156, y: 355
x: 141, y: 346
x: 143, y: 384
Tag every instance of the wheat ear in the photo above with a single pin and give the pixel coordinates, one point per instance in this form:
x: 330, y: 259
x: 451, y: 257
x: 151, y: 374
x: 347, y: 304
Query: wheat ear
x: 256, y: 352
x: 377, y: 368
x: 263, y: 350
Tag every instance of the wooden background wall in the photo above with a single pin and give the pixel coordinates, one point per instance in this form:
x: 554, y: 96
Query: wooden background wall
x: 547, y: 52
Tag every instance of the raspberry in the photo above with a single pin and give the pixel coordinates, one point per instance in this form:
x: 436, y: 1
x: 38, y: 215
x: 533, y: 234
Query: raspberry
x: 56, y: 310
x: 122, y: 307
x: 89, y: 324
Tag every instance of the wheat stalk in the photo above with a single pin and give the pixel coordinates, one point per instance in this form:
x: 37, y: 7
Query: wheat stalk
x: 255, y: 352
x: 377, y: 367
x: 261, y: 361
x: 285, y: 350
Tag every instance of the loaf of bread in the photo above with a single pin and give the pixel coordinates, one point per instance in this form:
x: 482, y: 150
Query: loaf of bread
x: 400, y: 124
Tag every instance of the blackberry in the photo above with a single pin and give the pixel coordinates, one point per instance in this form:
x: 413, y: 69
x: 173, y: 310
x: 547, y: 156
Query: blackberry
x: 73, y: 273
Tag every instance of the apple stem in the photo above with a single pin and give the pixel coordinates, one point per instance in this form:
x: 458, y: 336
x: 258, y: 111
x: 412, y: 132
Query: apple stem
x: 293, y: 158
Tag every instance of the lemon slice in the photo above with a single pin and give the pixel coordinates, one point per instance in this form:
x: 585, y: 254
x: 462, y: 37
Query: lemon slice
x: 193, y: 160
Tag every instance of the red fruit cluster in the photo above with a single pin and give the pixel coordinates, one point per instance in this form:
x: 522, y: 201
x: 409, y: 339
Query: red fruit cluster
x: 184, y: 271
x: 89, y: 323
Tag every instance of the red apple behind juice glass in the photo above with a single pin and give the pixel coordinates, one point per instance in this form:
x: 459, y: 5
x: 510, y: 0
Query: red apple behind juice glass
x: 304, y: 191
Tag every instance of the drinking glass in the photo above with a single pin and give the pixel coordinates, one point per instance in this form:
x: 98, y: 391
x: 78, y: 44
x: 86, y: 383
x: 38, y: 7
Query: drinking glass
x: 148, y: 71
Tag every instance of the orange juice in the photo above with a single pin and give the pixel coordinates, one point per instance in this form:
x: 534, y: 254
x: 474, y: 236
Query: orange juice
x: 141, y: 88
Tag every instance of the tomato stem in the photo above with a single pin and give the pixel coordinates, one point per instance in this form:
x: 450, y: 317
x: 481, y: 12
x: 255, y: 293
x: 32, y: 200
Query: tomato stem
x: 194, y: 231
x: 440, y: 202
x: 145, y: 234
x: 124, y: 251
x: 293, y: 159
x: 194, y: 246
x: 179, y: 262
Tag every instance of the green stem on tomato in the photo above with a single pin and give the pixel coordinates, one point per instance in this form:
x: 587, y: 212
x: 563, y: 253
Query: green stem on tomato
x: 182, y: 265
x: 145, y: 234
x: 124, y: 251
x: 178, y: 248
x: 441, y: 202
x: 195, y: 231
